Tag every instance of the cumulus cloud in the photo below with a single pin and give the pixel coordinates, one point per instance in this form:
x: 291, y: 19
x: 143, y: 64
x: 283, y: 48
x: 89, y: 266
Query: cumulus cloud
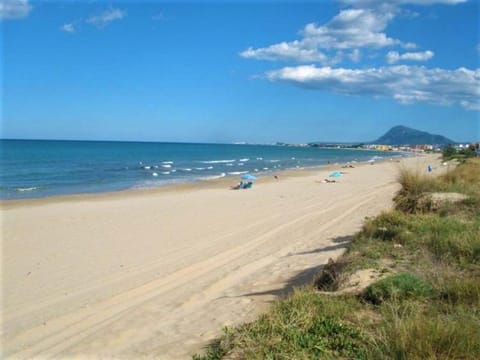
x: 393, y: 56
x: 14, y: 9
x: 350, y: 29
x: 405, y: 84
x: 106, y: 17
x: 361, y: 26
x: 285, y: 51
x: 70, y: 28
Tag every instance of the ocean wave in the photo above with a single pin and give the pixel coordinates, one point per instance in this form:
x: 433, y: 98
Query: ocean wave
x: 243, y: 160
x: 165, y: 172
x: 259, y: 158
x: 33, y: 188
x: 210, y: 167
x: 200, y: 168
x: 217, y: 161
x: 273, y: 161
x: 237, y: 172
x: 229, y: 164
x: 213, y: 177
x: 167, y: 162
x: 154, y: 174
x: 167, y: 166
x: 185, y: 169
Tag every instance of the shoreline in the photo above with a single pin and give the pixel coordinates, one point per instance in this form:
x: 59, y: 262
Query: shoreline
x: 185, y: 186
x: 157, y: 274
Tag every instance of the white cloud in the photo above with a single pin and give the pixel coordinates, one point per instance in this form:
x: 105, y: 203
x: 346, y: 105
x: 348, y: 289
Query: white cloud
x: 106, y: 17
x: 14, y: 9
x: 70, y: 28
x: 361, y: 26
x: 285, y: 51
x: 393, y: 56
x: 350, y: 29
x: 356, y: 55
x: 405, y: 84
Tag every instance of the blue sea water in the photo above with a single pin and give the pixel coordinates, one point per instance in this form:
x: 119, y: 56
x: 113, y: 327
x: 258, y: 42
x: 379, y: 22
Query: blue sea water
x: 41, y: 168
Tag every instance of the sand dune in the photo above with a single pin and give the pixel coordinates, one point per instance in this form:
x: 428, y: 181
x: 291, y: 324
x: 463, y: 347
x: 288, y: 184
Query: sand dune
x: 156, y: 274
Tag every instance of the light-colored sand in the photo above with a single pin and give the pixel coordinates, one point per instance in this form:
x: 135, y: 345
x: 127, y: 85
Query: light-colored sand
x: 157, y: 274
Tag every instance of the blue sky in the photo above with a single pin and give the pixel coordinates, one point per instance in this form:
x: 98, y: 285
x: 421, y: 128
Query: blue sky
x: 228, y: 71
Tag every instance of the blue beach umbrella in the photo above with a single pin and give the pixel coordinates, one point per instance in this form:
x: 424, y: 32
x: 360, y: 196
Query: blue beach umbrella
x: 249, y: 177
x: 335, y: 174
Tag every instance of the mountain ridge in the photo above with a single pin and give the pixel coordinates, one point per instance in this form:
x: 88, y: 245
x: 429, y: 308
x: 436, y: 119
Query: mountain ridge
x: 403, y: 135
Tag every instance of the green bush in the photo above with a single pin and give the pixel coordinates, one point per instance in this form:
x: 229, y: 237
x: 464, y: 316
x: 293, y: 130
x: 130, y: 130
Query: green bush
x: 400, y: 286
x: 388, y: 226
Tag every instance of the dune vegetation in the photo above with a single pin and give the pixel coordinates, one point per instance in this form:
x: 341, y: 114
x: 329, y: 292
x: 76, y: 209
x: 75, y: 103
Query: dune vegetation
x: 422, y: 297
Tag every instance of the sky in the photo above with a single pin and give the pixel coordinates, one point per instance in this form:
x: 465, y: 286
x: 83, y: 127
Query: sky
x: 226, y: 71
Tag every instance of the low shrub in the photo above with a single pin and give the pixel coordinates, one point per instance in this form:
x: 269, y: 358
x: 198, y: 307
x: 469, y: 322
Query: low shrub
x: 401, y: 286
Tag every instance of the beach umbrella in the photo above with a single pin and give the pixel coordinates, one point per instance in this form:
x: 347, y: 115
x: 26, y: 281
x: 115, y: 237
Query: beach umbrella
x: 335, y: 174
x: 249, y: 177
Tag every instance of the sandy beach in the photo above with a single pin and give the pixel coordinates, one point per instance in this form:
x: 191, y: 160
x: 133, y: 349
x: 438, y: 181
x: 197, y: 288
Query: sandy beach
x: 158, y: 273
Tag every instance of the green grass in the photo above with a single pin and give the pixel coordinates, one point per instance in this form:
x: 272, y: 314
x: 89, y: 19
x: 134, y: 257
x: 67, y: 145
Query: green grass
x: 305, y: 326
x: 427, y: 305
x: 417, y: 335
x: 400, y: 286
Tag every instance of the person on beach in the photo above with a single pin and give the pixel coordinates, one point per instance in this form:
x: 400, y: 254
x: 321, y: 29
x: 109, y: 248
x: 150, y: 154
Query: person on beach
x: 240, y: 185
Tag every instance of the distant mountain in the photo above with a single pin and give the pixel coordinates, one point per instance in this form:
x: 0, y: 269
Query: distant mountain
x: 402, y: 135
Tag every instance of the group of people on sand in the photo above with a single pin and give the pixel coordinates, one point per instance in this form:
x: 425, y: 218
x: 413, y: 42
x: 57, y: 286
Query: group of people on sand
x: 242, y: 185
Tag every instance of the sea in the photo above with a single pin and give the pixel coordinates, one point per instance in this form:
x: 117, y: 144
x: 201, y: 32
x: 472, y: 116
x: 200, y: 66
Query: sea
x: 44, y: 168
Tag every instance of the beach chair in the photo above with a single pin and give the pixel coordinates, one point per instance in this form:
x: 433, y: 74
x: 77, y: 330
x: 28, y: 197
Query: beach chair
x: 247, y: 185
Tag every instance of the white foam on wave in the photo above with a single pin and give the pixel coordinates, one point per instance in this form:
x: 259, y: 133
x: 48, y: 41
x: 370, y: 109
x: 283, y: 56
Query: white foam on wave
x: 244, y: 160
x: 229, y: 164
x: 240, y: 164
x: 154, y: 174
x: 273, y: 161
x: 237, y: 172
x: 213, y: 177
x: 167, y: 166
x: 165, y: 172
x: 167, y: 162
x: 217, y: 161
x: 186, y: 169
x: 200, y: 168
x: 210, y: 167
x: 259, y: 158
x: 147, y: 167
x: 26, y: 189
